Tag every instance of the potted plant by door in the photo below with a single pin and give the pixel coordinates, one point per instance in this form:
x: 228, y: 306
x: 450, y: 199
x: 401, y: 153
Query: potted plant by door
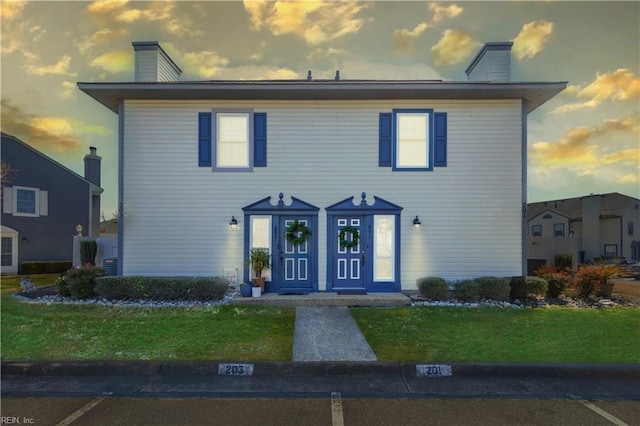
x: 245, y: 289
x: 259, y: 260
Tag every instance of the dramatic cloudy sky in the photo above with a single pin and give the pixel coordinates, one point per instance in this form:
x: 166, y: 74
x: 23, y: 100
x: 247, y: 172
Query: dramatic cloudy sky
x: 584, y: 140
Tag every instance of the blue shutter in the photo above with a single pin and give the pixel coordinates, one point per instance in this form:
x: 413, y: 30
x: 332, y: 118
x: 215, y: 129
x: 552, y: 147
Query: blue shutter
x: 260, y: 139
x: 204, y: 139
x: 440, y: 139
x: 384, y: 140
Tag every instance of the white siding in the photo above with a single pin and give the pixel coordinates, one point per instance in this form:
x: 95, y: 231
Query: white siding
x: 495, y: 65
x: 176, y: 214
x: 166, y: 71
x: 146, y: 65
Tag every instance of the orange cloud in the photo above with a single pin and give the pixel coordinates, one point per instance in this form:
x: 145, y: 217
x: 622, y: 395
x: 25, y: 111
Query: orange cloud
x: 624, y: 156
x: 531, y: 39
x: 10, y: 10
x: 442, y: 12
x: 453, y: 47
x: 206, y: 63
x: 404, y: 39
x: 106, y: 6
x: 44, y: 133
x: 315, y: 21
x: 114, y: 62
x: 620, y: 85
x: 59, y: 68
x: 104, y: 36
x: 576, y: 147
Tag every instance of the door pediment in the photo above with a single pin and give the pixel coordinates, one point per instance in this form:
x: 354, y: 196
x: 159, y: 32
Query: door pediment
x: 264, y: 206
x: 379, y: 206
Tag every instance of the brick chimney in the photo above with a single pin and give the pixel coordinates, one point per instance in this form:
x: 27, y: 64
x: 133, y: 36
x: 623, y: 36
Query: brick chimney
x: 153, y: 64
x: 492, y: 63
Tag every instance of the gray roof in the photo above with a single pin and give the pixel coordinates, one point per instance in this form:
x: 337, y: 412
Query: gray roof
x: 109, y: 94
x: 613, y: 204
x: 94, y: 188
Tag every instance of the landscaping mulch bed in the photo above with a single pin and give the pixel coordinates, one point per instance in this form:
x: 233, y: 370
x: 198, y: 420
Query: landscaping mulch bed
x: 49, y: 290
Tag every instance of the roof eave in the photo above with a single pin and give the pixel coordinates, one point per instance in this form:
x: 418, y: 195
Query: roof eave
x: 109, y: 94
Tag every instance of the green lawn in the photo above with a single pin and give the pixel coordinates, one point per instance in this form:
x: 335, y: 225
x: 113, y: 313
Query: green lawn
x: 502, y: 335
x: 70, y: 332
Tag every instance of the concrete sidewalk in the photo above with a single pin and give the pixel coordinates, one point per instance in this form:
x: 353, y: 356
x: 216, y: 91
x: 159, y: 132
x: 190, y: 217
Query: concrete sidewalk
x: 325, y: 333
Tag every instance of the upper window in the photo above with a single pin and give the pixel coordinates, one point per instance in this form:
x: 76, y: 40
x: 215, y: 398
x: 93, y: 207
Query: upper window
x: 558, y: 229
x: 536, y: 230
x: 413, y: 141
x: 232, y: 140
x: 25, y: 201
x: 630, y: 228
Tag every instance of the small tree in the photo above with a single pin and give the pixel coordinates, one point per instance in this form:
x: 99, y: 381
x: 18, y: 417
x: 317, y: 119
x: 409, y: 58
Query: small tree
x: 88, y: 251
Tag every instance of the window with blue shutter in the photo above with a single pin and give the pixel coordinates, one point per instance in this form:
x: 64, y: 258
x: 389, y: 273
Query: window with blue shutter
x: 232, y: 140
x: 440, y: 139
x: 412, y: 139
x: 260, y: 139
x: 204, y: 139
x: 384, y: 140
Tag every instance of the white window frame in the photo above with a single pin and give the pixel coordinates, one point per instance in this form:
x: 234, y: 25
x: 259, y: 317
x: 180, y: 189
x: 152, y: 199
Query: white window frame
x: 533, y: 230
x: 555, y: 231
x: 15, y: 201
x: 217, y: 114
x: 398, y: 115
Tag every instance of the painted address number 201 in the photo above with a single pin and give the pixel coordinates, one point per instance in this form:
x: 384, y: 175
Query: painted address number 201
x: 235, y: 369
x: 433, y: 370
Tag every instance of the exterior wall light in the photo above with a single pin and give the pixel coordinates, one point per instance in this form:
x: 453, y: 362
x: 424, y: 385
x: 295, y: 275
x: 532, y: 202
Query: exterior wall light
x: 24, y: 240
x: 416, y: 223
x: 233, y: 225
x: 79, y: 230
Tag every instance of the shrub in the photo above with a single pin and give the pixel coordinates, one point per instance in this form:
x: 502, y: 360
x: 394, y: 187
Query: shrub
x: 545, y: 270
x: 45, y: 267
x: 535, y: 286
x: 563, y: 261
x: 161, y: 288
x: 557, y: 283
x: 88, y: 251
x: 433, y: 288
x: 493, y: 288
x: 81, y: 282
x: 589, y: 279
x: 62, y: 286
x: 518, y: 288
x: 467, y: 290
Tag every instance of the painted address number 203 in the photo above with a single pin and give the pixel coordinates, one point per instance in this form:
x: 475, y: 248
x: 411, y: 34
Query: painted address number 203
x: 235, y: 369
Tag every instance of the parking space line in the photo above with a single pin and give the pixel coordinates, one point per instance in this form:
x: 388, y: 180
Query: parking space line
x: 80, y: 412
x: 337, y: 418
x: 613, y: 419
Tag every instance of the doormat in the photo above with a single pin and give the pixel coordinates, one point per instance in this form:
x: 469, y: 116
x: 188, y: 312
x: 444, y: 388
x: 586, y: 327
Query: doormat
x: 349, y: 293
x: 293, y: 293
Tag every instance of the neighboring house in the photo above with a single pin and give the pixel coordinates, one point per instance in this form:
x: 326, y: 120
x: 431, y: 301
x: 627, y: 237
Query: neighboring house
x: 211, y: 169
x: 589, y: 227
x: 43, y: 202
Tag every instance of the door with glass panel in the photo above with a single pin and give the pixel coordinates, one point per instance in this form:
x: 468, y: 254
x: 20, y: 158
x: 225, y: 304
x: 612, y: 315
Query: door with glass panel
x: 365, y: 253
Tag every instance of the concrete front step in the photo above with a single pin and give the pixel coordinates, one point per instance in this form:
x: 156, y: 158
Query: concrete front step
x: 325, y: 299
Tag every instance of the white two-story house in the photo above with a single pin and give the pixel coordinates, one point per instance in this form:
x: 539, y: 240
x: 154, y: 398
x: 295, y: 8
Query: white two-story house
x: 393, y: 179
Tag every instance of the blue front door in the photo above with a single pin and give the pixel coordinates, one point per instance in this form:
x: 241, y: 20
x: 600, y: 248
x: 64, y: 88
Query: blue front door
x: 352, y: 252
x: 296, y: 263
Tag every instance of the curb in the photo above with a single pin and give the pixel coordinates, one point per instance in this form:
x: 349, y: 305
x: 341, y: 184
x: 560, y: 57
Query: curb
x: 313, y: 368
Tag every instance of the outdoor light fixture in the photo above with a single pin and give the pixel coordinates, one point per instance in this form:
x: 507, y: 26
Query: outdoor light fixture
x: 233, y: 225
x: 79, y: 230
x: 24, y: 240
x: 416, y: 223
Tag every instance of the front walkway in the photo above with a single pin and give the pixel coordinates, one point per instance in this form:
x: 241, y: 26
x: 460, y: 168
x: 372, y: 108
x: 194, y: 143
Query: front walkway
x: 328, y: 333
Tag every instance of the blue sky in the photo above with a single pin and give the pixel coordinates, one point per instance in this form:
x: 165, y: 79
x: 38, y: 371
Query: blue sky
x: 585, y: 140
